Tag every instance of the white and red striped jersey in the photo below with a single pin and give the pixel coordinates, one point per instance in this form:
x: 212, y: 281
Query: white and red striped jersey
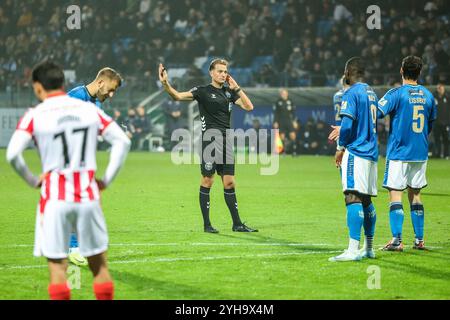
x: 65, y: 131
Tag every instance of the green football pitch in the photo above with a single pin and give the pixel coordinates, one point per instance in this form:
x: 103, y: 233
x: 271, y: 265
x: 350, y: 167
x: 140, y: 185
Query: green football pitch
x: 158, y: 249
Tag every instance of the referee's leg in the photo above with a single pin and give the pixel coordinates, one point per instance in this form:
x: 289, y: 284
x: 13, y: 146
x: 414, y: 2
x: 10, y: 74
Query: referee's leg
x: 204, y: 199
x: 231, y: 201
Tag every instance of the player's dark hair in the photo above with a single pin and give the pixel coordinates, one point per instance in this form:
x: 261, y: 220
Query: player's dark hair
x: 110, y: 74
x: 355, y: 67
x: 217, y: 61
x: 49, y: 74
x: 412, y: 66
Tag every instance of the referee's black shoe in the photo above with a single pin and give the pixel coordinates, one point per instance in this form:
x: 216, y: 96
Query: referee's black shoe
x: 243, y: 228
x: 210, y: 229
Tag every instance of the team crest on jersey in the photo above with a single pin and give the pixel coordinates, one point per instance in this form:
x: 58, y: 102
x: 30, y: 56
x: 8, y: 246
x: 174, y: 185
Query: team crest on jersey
x: 208, y: 166
x: 228, y: 94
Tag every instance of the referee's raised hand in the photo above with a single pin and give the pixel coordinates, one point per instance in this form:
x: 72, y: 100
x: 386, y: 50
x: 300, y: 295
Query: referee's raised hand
x: 233, y: 84
x: 162, y: 74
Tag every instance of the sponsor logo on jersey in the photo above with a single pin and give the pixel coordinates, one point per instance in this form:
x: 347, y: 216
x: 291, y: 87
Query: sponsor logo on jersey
x: 382, y: 102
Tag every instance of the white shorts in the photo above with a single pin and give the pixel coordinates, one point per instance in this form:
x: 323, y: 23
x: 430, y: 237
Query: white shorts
x: 400, y: 175
x: 60, y: 219
x: 359, y: 174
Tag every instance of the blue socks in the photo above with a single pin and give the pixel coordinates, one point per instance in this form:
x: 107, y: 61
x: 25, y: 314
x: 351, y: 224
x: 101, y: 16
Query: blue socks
x: 417, y: 218
x: 73, y: 241
x: 370, y: 218
x: 396, y: 217
x: 355, y: 220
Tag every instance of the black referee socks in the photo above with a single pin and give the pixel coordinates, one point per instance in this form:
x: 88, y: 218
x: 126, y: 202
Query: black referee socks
x: 230, y: 199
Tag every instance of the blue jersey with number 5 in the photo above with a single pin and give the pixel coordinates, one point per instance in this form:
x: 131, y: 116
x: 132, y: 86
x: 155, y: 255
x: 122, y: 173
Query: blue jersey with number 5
x: 359, y: 102
x: 411, y: 109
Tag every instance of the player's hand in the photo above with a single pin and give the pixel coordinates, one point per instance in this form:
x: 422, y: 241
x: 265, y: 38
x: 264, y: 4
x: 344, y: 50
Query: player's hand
x: 338, y: 158
x: 100, y: 184
x: 334, y: 135
x: 162, y: 74
x: 42, y: 177
x: 233, y: 84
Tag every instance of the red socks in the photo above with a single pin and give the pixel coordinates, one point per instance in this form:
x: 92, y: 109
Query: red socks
x: 104, y: 291
x: 59, y: 291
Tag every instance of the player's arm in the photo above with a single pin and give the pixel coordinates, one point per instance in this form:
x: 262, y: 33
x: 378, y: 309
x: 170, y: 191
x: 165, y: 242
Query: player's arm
x: 433, y: 115
x: 17, y: 145
x: 177, y: 96
x: 243, y: 100
x: 386, y: 104
x: 120, y: 145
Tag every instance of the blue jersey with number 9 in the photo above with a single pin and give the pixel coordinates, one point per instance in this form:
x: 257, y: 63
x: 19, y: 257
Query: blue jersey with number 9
x: 359, y: 102
x: 411, y: 109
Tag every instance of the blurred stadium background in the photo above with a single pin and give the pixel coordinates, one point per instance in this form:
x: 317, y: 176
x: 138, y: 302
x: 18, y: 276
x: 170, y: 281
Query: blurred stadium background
x: 298, y: 44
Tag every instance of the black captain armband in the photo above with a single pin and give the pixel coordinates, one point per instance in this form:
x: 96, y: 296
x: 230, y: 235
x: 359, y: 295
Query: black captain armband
x: 237, y: 90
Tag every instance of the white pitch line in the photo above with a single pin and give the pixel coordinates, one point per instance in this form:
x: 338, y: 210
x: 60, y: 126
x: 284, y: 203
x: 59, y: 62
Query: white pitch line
x: 206, y: 244
x: 157, y: 260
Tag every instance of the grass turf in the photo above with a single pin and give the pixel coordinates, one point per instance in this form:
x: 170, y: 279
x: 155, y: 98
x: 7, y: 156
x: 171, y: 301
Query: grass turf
x: 159, y: 251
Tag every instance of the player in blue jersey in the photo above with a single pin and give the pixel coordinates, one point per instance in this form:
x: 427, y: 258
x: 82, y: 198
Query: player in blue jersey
x: 357, y: 157
x: 103, y: 87
x: 412, y: 110
x: 337, y: 100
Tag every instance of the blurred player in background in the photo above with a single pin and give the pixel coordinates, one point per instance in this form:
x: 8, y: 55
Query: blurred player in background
x: 412, y: 110
x: 357, y: 157
x: 65, y: 131
x: 215, y: 103
x: 103, y: 87
x: 284, y: 118
x: 441, y: 127
x: 337, y: 101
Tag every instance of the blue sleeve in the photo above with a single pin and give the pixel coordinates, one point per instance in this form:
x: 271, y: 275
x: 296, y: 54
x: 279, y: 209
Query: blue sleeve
x: 386, y: 105
x: 346, y: 131
x: 75, y: 93
x: 348, y: 106
x: 433, y: 115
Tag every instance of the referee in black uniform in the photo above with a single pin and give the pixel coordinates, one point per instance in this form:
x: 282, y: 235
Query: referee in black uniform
x: 215, y: 104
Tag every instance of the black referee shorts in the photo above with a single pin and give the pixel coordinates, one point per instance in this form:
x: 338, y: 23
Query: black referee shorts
x: 217, y: 156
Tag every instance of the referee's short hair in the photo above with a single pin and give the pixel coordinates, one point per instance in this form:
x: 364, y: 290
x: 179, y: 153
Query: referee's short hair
x: 110, y: 74
x: 49, y: 74
x: 213, y: 63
